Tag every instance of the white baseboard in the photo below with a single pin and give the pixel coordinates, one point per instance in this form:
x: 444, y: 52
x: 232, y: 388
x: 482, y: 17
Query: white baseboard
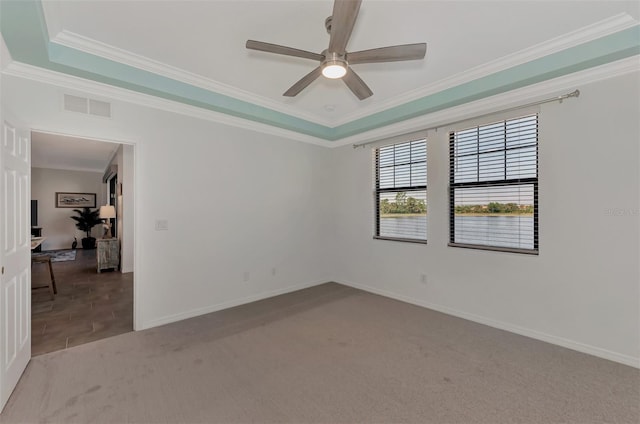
x: 224, y: 305
x: 560, y: 341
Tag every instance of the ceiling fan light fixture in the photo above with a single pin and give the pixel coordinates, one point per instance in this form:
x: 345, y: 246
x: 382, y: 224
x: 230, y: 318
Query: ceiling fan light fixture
x: 334, y: 69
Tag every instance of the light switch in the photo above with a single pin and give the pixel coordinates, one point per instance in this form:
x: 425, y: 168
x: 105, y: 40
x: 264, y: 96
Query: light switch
x: 162, y: 224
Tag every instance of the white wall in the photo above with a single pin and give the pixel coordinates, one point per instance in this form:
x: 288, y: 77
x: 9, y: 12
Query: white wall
x: 236, y: 202
x: 582, y: 291
x: 242, y: 202
x: 57, y: 226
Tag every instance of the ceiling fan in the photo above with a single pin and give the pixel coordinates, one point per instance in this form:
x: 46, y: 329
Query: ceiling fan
x: 335, y: 61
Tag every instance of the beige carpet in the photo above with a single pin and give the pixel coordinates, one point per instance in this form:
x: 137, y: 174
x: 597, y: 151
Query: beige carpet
x: 329, y: 354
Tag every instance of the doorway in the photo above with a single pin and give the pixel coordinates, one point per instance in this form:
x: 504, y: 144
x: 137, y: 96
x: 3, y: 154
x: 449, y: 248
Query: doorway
x: 91, y: 303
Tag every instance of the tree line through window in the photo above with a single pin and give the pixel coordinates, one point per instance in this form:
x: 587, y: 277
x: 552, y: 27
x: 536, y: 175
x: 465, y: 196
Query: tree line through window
x: 402, y: 205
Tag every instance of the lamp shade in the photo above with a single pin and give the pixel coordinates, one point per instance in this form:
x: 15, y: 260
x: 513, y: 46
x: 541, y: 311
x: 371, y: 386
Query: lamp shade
x: 107, y: 211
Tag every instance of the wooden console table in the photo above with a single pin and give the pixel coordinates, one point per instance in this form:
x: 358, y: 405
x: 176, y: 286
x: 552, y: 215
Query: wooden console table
x: 108, y: 254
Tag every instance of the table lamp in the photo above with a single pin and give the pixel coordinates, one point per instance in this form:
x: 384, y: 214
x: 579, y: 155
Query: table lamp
x: 107, y: 212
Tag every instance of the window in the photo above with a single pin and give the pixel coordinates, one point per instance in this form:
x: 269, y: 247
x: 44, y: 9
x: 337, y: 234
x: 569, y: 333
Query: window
x: 401, y: 191
x: 493, y: 185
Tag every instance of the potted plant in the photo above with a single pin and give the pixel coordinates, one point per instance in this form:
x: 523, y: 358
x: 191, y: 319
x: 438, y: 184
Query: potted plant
x: 85, y: 221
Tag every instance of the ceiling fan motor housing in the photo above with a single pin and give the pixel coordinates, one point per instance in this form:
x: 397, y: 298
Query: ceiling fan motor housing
x: 341, y: 59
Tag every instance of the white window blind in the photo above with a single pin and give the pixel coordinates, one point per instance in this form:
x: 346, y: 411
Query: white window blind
x: 493, y: 185
x: 401, y: 191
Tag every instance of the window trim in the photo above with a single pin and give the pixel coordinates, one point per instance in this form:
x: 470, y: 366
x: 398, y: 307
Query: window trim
x: 494, y: 248
x: 534, y: 181
x: 404, y: 240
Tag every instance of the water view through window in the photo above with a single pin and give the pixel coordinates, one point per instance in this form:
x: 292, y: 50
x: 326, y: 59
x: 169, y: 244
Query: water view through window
x: 494, y: 185
x: 403, y: 214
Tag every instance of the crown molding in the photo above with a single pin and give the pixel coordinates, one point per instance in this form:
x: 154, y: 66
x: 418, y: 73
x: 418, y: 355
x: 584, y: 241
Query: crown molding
x: 77, y: 84
x: 97, y: 48
x: 498, y: 102
x: 583, y: 35
x: 467, y: 111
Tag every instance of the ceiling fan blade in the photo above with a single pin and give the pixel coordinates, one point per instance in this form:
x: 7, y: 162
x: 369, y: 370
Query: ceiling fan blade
x: 389, y: 54
x: 355, y: 84
x: 278, y: 49
x: 303, y: 83
x: 343, y: 19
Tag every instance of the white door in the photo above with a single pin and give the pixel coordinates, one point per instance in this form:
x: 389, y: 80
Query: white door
x: 15, y: 257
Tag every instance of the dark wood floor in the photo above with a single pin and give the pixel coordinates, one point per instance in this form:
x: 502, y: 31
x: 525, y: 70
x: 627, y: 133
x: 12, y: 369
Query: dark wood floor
x: 88, y: 307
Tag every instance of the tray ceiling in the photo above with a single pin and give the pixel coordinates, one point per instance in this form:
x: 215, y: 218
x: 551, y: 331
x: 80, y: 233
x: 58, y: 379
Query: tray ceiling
x: 193, y: 52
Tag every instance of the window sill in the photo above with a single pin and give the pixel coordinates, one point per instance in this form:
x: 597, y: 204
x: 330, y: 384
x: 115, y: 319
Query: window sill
x: 417, y: 241
x: 495, y: 249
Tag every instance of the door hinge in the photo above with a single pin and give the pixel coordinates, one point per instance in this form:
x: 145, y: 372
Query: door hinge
x: 2, y: 270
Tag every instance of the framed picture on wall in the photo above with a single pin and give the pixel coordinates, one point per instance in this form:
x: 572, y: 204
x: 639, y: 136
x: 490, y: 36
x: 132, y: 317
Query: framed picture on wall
x: 75, y: 200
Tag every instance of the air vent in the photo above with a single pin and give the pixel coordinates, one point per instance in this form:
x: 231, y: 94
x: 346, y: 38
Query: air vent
x: 76, y: 104
x: 87, y: 106
x: 98, y: 108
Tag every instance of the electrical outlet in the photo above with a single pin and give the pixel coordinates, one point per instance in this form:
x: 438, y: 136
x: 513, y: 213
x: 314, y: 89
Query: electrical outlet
x: 274, y: 271
x: 423, y: 279
x: 246, y: 276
